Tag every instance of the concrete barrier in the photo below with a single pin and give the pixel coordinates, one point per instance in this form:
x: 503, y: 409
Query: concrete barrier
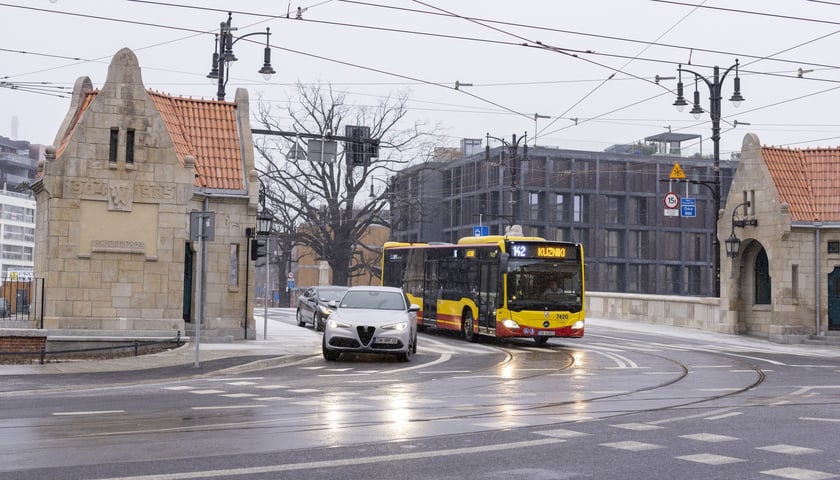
x: 702, y: 313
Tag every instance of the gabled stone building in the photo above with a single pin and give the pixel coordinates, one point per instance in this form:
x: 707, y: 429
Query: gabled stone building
x: 114, y: 198
x: 784, y: 282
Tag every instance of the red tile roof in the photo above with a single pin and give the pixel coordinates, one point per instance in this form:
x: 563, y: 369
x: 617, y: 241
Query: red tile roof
x: 205, y: 129
x: 807, y: 180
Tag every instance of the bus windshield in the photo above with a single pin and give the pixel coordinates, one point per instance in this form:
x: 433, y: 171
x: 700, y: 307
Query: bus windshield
x: 537, y: 284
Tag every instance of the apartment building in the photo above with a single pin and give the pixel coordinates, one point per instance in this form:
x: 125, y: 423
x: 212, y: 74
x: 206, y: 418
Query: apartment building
x: 611, y: 202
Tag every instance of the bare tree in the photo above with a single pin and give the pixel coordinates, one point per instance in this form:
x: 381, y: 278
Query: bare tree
x: 328, y: 206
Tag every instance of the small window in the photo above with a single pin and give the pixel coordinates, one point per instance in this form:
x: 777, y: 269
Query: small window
x: 115, y: 140
x: 233, y: 273
x: 794, y: 281
x: 129, y: 146
x: 834, y: 246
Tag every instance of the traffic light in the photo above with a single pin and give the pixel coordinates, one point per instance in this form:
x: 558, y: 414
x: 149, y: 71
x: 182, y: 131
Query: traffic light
x: 257, y: 248
x: 358, y: 147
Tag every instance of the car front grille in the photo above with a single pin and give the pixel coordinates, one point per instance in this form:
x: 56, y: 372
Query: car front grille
x: 365, y: 334
x: 344, y: 342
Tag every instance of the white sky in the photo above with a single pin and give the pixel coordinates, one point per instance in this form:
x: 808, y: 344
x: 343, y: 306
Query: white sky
x: 772, y: 38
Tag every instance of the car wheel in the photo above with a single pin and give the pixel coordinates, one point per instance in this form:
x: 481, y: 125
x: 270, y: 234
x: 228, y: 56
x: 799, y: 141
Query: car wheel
x: 467, y: 324
x: 540, y: 340
x: 300, y: 321
x: 330, y: 355
x: 316, y: 323
x: 408, y: 353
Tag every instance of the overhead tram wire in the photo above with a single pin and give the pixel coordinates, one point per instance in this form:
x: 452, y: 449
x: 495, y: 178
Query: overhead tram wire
x: 350, y: 64
x: 455, y: 37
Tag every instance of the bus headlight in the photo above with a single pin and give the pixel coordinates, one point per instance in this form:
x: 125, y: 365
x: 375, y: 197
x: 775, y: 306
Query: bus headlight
x: 577, y: 325
x: 508, y: 323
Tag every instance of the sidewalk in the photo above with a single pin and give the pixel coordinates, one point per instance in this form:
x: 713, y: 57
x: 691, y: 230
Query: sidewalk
x: 285, y: 343
x: 288, y: 342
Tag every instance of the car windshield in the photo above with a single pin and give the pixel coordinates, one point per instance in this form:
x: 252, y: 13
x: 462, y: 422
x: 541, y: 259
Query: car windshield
x: 373, y: 299
x: 328, y: 294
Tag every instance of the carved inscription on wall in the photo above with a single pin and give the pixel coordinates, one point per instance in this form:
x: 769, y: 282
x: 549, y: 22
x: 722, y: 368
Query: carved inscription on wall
x: 154, y: 193
x: 121, y: 246
x: 90, y: 189
x: 120, y: 195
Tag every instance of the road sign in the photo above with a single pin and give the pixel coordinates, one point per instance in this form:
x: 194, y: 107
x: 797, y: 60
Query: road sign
x: 672, y: 200
x: 688, y: 207
x: 290, y: 284
x: 481, y: 230
x: 291, y: 275
x: 677, y: 172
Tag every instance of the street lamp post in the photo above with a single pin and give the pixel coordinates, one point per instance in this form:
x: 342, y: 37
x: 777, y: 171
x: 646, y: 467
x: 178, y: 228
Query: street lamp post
x: 515, y: 162
x: 714, y: 84
x: 223, y: 55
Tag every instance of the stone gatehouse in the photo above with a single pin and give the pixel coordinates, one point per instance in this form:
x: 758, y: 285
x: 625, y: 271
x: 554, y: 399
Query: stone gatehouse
x: 114, y: 198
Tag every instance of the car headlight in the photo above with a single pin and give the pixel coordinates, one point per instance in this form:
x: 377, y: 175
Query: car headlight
x: 396, y: 326
x: 508, y: 323
x: 333, y: 323
x: 325, y: 311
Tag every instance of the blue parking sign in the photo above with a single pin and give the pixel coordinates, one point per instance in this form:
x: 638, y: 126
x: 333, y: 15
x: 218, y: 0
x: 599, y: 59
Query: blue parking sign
x: 481, y: 230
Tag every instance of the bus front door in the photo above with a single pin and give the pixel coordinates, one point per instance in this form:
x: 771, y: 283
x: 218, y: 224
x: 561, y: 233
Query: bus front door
x: 488, y: 294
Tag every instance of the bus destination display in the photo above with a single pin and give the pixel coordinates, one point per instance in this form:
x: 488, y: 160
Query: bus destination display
x: 542, y: 250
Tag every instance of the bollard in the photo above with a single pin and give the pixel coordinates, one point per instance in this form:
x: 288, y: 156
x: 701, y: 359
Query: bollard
x: 43, y: 354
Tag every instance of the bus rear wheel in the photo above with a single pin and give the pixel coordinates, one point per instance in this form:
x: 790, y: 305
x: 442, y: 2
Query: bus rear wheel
x: 467, y: 326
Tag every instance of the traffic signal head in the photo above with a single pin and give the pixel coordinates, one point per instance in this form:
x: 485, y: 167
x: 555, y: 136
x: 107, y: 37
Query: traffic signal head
x: 257, y: 248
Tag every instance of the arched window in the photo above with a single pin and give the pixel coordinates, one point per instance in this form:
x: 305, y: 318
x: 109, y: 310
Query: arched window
x: 761, y: 279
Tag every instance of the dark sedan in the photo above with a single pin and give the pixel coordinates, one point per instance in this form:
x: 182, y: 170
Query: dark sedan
x: 312, y: 304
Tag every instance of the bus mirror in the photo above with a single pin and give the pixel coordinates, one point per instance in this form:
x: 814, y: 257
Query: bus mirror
x: 503, y: 262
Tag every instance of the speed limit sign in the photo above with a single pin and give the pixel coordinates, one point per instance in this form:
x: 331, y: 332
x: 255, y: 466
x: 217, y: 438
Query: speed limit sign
x: 672, y: 200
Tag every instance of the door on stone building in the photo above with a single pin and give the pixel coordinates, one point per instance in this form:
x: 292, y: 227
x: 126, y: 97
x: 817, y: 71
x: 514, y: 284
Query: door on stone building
x: 834, y: 299
x: 188, y: 277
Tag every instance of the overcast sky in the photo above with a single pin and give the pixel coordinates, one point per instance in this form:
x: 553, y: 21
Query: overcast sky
x: 593, y: 71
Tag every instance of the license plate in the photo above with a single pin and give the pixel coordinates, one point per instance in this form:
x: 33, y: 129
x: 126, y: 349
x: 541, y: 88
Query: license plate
x: 545, y: 333
x: 387, y: 341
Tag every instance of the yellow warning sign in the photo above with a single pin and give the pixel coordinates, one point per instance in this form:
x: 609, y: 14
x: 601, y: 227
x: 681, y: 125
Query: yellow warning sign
x: 677, y: 172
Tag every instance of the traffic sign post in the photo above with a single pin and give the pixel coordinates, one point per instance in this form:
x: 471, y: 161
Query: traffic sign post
x: 481, y: 230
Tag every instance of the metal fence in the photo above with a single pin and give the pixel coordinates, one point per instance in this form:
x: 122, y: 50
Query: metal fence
x: 22, y: 302
x: 136, y: 347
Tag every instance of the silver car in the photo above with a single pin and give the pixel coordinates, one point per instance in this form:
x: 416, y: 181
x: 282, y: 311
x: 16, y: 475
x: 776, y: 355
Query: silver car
x: 313, y: 305
x: 372, y: 320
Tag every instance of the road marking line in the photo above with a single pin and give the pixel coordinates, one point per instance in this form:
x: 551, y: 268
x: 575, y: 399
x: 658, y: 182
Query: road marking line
x: 268, y: 469
x: 799, y: 474
x: 710, y: 459
x: 227, y: 407
x: 92, y: 412
x: 632, y: 446
x: 788, y: 449
x: 817, y: 419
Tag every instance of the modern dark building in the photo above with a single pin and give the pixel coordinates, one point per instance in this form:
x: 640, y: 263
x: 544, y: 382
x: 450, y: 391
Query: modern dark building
x: 18, y: 162
x: 613, y: 203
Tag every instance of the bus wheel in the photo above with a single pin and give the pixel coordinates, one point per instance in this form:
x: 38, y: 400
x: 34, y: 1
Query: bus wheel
x: 540, y: 340
x: 467, y: 324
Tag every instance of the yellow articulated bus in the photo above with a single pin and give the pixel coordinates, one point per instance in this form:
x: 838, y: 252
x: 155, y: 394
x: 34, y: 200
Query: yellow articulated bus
x: 501, y: 286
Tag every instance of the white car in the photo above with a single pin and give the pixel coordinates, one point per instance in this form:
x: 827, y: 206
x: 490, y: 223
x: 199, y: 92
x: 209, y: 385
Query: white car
x: 372, y: 320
